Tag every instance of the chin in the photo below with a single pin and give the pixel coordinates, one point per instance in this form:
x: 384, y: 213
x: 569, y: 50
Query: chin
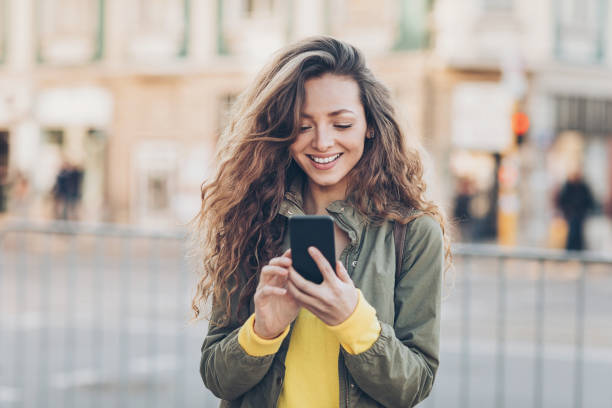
x: 325, y: 181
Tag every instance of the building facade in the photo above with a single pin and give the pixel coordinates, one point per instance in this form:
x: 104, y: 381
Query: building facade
x: 136, y: 92
x: 550, y: 59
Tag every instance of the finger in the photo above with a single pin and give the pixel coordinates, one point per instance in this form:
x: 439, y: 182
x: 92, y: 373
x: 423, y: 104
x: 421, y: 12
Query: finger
x: 304, y: 299
x: 280, y: 261
x: 324, y: 266
x: 268, y: 290
x: 302, y: 284
x: 342, y: 273
x: 270, y: 272
x: 286, y: 254
x: 273, y: 270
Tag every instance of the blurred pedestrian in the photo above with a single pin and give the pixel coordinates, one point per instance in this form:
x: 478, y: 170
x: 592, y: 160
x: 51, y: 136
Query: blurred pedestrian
x: 575, y: 201
x: 462, y: 209
x: 316, y: 133
x: 60, y: 192
x: 67, y: 191
x: 73, y: 192
x: 3, y: 195
x: 4, y: 183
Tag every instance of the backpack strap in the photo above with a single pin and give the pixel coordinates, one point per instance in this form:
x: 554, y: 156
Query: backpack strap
x: 399, y: 236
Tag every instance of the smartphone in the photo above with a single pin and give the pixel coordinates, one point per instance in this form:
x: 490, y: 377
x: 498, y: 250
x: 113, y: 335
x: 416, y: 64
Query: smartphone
x: 311, y: 230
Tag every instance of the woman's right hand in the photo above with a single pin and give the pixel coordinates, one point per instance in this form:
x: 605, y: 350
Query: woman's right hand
x: 275, y: 307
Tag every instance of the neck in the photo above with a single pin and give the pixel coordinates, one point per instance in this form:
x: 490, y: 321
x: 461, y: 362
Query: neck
x: 318, y: 198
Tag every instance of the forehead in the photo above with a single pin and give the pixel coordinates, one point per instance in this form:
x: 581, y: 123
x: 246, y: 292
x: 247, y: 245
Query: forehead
x: 330, y: 93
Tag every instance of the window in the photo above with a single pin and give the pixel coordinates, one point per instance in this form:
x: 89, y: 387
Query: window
x: 497, y: 5
x: 69, y: 31
x: 222, y: 47
x: 3, y: 30
x: 159, y: 29
x: 248, y: 7
x: 413, y: 24
x: 589, y: 116
x: 96, y: 136
x: 579, y: 30
x: 54, y: 136
x: 251, y: 8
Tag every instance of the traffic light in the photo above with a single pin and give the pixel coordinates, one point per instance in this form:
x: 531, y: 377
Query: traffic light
x: 520, y: 126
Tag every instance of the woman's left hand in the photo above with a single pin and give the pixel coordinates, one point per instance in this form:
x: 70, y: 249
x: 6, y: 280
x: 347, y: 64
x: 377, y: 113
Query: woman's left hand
x: 334, y: 299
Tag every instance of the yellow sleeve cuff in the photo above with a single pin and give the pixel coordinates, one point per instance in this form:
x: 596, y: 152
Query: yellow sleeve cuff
x: 256, y: 346
x: 357, y: 333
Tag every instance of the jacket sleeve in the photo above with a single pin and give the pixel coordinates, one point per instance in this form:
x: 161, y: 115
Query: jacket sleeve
x: 226, y: 368
x: 399, y: 369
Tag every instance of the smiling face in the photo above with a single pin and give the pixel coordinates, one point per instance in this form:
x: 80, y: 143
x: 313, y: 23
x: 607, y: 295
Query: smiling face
x: 332, y: 132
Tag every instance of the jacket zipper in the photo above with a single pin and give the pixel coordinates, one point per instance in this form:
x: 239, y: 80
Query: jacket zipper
x: 346, y: 387
x: 343, y: 378
x: 283, y: 350
x: 346, y: 228
x: 349, y: 248
x: 280, y: 389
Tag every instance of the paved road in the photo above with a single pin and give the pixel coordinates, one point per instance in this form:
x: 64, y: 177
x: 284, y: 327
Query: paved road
x: 91, y: 322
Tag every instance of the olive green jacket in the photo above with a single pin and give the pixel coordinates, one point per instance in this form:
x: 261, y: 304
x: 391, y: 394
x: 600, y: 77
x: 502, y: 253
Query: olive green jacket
x: 398, y: 370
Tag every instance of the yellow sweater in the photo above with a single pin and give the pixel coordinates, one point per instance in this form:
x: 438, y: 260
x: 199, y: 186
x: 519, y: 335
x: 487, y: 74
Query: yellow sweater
x: 311, y: 366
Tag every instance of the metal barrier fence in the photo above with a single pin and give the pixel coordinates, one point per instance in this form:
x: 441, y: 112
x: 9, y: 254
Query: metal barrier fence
x: 526, y: 328
x: 96, y: 315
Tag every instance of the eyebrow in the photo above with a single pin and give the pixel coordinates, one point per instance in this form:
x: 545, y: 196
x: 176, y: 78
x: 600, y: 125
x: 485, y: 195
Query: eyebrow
x: 334, y: 113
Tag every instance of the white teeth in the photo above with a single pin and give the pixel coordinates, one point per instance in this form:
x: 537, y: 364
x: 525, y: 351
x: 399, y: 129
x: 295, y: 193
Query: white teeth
x: 322, y: 160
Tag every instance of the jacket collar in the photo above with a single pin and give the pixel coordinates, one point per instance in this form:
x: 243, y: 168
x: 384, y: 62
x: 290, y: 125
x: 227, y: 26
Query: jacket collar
x: 344, y: 214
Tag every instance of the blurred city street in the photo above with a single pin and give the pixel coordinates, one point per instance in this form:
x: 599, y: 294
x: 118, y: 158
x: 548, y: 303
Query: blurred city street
x: 111, y: 113
x: 111, y: 110
x: 93, y: 321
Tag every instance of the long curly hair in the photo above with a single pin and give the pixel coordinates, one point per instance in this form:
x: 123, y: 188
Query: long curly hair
x: 238, y: 228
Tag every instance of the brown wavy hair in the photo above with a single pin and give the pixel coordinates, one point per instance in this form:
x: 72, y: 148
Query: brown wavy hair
x: 238, y: 228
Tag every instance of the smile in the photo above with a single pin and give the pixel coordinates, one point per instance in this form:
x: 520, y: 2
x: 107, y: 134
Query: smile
x: 324, y: 160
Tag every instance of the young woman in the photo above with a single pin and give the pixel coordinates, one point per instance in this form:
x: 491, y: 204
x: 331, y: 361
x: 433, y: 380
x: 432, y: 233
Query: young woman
x: 316, y: 134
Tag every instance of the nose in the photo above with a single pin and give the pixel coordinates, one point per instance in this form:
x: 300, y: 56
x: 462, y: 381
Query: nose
x: 322, y: 140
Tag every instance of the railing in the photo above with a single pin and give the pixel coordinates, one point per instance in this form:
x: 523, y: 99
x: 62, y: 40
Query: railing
x: 526, y: 328
x: 98, y: 315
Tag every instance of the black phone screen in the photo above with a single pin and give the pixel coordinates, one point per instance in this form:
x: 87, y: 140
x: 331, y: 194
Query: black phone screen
x: 311, y: 230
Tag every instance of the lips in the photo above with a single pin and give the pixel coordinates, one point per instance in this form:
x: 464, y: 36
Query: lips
x: 324, y: 160
x: 324, y: 163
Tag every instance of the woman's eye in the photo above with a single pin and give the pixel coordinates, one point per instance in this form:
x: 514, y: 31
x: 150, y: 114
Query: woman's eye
x: 305, y: 128
x: 343, y: 125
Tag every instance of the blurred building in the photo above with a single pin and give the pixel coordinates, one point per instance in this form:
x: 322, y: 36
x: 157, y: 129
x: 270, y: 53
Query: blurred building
x: 549, y: 59
x: 136, y: 91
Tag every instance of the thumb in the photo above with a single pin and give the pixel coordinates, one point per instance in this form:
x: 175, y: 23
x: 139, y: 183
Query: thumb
x: 342, y: 273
